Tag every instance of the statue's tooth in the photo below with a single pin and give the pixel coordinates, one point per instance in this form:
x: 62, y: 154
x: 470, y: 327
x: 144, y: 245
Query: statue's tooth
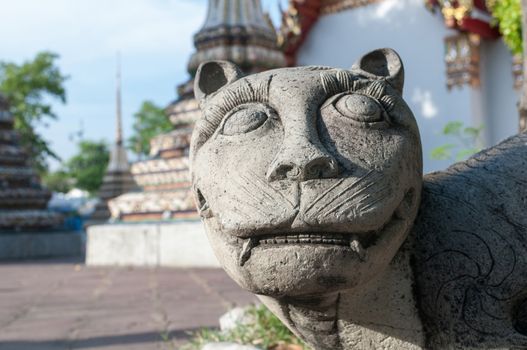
x: 246, y: 250
x: 357, y: 248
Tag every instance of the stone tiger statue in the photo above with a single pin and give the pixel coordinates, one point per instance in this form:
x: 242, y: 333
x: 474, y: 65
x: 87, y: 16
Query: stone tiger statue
x: 309, y: 181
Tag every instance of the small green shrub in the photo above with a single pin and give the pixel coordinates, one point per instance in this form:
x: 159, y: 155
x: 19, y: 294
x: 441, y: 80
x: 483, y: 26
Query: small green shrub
x: 267, y: 332
x: 466, y: 140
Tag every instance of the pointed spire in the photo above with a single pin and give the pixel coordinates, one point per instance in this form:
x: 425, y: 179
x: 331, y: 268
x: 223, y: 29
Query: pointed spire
x: 118, y: 178
x: 240, y: 32
x: 119, y: 128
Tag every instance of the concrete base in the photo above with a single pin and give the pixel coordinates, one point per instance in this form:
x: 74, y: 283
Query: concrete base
x: 171, y: 244
x: 35, y: 245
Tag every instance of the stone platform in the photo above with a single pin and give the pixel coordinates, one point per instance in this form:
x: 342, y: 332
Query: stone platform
x: 35, y: 245
x: 169, y: 244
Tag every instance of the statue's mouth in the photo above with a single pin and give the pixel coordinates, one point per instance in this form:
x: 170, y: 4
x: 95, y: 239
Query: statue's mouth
x: 356, y: 242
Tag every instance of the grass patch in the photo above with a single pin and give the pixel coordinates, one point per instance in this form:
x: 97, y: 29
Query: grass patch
x: 266, y: 332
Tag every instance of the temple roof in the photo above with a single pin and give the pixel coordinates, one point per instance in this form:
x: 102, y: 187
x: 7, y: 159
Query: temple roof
x: 234, y: 30
x: 240, y: 32
x: 242, y: 13
x: 471, y: 16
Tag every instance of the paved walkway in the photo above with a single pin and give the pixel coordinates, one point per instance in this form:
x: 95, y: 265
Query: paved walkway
x: 65, y: 305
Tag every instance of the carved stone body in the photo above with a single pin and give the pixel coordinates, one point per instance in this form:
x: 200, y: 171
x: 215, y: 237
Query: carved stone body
x: 309, y: 181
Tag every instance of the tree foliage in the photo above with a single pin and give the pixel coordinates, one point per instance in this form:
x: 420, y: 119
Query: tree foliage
x: 29, y: 88
x: 58, y: 181
x: 88, y: 166
x: 149, y: 122
x: 508, y: 17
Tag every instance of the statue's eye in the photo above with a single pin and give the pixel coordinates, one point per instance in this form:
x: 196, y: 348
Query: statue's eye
x: 245, y: 118
x: 360, y: 108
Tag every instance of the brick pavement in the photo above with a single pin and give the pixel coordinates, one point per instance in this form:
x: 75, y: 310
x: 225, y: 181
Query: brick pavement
x: 66, y: 305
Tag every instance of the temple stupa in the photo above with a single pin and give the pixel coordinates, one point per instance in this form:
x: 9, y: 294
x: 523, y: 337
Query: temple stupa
x: 23, y: 200
x: 118, y: 178
x: 234, y: 30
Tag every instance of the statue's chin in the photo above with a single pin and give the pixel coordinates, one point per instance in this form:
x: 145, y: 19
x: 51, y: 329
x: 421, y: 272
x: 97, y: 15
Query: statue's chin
x: 289, y: 265
x: 294, y: 270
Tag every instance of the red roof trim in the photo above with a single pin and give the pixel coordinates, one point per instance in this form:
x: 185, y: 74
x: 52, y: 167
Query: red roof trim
x: 479, y: 27
x: 308, y: 14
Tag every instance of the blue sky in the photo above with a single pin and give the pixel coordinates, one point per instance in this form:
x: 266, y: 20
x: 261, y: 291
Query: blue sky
x: 153, y: 36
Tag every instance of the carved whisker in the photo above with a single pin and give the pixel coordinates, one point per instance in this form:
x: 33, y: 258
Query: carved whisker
x: 357, y: 202
x: 277, y: 194
x: 257, y: 187
x: 253, y: 200
x: 344, y: 191
x: 324, y: 194
x: 356, y: 194
x: 371, y: 200
x: 247, y: 204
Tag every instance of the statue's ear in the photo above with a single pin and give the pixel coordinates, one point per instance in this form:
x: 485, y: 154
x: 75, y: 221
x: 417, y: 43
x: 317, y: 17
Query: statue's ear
x: 213, y: 75
x: 382, y: 63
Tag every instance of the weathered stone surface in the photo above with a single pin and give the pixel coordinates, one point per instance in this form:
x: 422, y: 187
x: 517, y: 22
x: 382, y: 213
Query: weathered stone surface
x: 309, y: 181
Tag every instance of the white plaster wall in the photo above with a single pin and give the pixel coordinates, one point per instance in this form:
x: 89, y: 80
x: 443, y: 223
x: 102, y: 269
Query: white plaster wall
x: 418, y: 36
x: 500, y: 98
x: 169, y: 244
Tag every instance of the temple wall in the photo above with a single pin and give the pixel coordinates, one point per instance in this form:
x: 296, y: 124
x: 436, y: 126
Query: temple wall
x: 170, y: 244
x: 499, y: 97
x: 407, y: 26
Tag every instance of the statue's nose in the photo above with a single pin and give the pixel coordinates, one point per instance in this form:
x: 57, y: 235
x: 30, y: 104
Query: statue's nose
x: 301, y: 160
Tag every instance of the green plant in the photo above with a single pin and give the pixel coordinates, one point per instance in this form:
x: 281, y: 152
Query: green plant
x: 29, y: 88
x: 88, y: 166
x: 508, y: 17
x: 149, y: 122
x: 266, y: 332
x: 58, y: 181
x: 466, y: 141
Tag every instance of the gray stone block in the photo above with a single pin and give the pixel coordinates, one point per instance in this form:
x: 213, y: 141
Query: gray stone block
x: 173, y: 244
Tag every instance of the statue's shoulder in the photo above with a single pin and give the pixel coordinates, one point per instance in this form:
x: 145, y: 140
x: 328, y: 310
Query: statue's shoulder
x: 470, y: 253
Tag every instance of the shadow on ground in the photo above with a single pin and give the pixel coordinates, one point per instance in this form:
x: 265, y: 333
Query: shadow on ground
x: 179, y: 337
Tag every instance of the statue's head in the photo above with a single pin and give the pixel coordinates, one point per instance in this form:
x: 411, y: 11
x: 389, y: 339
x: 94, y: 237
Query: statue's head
x: 308, y: 179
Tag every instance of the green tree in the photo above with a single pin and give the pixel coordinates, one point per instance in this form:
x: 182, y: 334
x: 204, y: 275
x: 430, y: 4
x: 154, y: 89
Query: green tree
x: 29, y: 88
x: 58, y: 181
x: 88, y: 167
x: 149, y: 122
x: 511, y: 18
x: 508, y: 17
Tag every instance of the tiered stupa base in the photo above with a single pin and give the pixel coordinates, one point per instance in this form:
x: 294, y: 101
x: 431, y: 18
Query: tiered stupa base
x: 114, y: 184
x: 23, y: 200
x: 155, y: 206
x: 29, y: 220
x: 164, y: 179
x: 27, y: 229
